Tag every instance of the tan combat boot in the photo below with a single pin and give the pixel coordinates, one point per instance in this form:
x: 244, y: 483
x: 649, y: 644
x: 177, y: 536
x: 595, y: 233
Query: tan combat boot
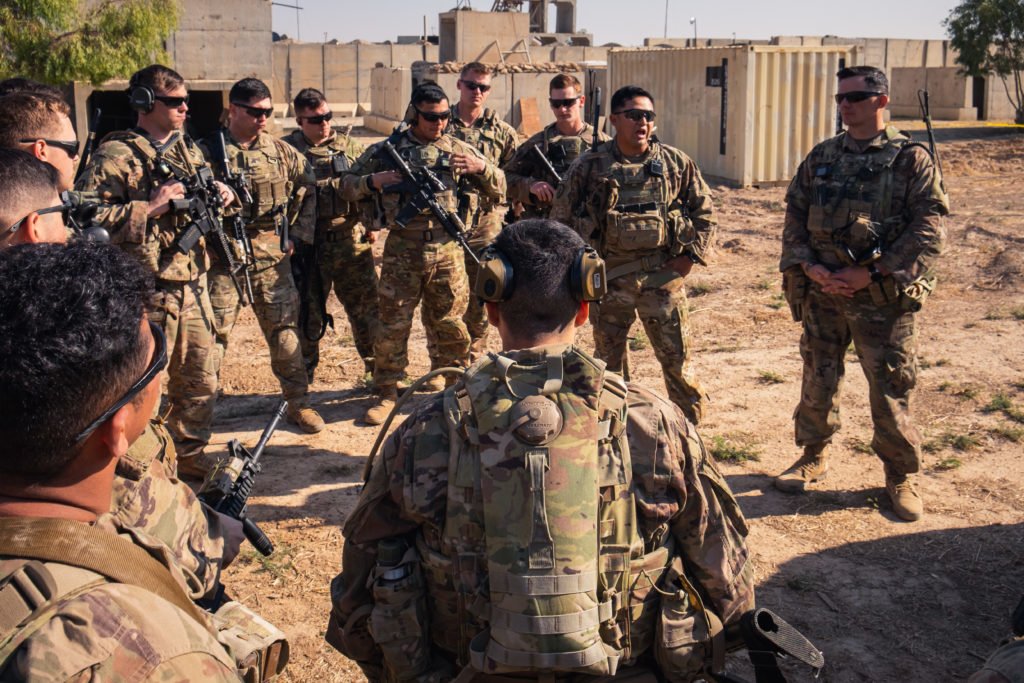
x: 434, y: 384
x: 906, y: 502
x: 811, y: 467
x: 305, y: 418
x: 379, y: 411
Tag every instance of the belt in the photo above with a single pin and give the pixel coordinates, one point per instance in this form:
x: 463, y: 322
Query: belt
x: 648, y: 264
x: 637, y: 208
x: 423, y: 236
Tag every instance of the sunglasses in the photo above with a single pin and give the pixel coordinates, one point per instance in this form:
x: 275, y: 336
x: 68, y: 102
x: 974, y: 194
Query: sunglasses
x: 170, y: 101
x: 318, y: 119
x: 637, y: 114
x: 567, y: 102
x: 473, y: 85
x: 855, y: 96
x: 435, y: 116
x: 63, y: 208
x: 255, y: 112
x: 70, y: 147
x: 156, y: 365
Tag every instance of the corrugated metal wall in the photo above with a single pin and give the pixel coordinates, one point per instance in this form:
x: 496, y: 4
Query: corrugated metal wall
x: 778, y: 104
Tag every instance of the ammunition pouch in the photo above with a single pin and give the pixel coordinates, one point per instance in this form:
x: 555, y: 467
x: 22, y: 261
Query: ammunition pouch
x: 795, y: 285
x: 259, y: 648
x: 688, y: 636
x: 636, y: 231
x: 399, y: 622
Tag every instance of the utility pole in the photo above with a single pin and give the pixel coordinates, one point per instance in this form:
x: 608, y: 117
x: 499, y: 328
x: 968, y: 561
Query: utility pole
x: 693, y: 20
x: 666, y: 19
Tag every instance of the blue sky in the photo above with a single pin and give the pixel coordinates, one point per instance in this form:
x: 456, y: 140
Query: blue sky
x: 628, y: 22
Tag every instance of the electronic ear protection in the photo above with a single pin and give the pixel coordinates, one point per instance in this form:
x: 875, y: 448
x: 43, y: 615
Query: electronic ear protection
x: 496, y: 280
x: 141, y: 98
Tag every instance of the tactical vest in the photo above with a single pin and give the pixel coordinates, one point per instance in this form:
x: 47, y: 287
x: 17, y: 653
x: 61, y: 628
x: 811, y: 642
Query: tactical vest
x: 437, y: 160
x: 636, y: 218
x: 329, y: 162
x: 562, y: 150
x: 267, y: 176
x: 482, y: 135
x: 538, y: 564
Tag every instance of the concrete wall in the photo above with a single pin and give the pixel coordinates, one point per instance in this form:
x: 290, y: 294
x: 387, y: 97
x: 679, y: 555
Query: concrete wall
x: 997, y: 104
x: 226, y: 40
x: 949, y: 93
x: 467, y: 36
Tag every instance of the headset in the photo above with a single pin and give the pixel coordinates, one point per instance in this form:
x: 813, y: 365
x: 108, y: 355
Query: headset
x: 141, y: 98
x: 496, y: 280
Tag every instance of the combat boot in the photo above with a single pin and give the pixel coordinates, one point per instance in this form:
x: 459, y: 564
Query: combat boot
x: 434, y: 384
x: 385, y: 403
x: 305, y: 418
x: 811, y: 467
x: 906, y: 502
x: 196, y: 467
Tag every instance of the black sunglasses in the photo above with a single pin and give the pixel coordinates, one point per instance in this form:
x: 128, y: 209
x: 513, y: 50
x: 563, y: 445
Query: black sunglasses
x: 62, y: 207
x: 637, y: 114
x: 158, y: 363
x: 319, y: 118
x: 255, y: 112
x: 855, y: 96
x: 70, y: 147
x: 567, y: 102
x: 473, y: 85
x: 172, y: 101
x: 435, y: 116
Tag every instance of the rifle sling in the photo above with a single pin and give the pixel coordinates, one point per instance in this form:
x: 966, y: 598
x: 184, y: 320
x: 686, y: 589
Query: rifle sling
x: 82, y: 545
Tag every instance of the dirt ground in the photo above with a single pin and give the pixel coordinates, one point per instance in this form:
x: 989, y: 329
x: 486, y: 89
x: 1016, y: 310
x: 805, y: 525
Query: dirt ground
x: 884, y: 599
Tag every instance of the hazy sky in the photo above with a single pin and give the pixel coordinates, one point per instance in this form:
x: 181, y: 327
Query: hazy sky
x: 628, y: 22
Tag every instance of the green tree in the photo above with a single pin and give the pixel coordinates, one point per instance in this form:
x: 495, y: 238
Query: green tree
x: 56, y: 41
x: 989, y: 36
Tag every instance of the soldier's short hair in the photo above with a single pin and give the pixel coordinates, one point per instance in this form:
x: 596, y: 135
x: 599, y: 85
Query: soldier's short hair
x: 873, y: 77
x: 70, y: 346
x: 563, y: 81
x: 308, y: 98
x: 156, y: 77
x: 428, y: 91
x: 9, y: 86
x: 27, y: 115
x: 541, y: 253
x: 249, y: 89
x: 476, y: 67
x: 26, y: 185
x: 626, y: 93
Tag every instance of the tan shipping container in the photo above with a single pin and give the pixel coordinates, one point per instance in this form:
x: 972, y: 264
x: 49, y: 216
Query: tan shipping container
x: 778, y: 103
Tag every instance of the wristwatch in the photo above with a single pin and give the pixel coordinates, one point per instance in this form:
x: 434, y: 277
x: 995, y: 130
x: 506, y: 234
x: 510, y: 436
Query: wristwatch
x: 876, y: 276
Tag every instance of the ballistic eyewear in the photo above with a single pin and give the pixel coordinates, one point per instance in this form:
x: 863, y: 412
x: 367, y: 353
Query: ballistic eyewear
x: 172, y: 102
x: 319, y: 118
x: 70, y: 147
x: 156, y: 365
x: 855, y: 96
x: 255, y: 112
x: 473, y: 85
x: 637, y: 114
x: 435, y: 116
x: 567, y: 102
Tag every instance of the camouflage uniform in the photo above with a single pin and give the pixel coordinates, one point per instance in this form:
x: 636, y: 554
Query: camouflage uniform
x: 344, y: 257
x: 846, y: 199
x: 684, y: 515
x: 124, y: 171
x: 275, y: 173
x: 107, y: 631
x: 422, y: 260
x: 524, y: 170
x: 497, y: 142
x: 638, y: 214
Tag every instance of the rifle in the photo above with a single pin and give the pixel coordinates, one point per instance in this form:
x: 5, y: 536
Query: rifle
x: 237, y: 182
x: 90, y: 142
x: 597, y: 118
x: 546, y: 164
x: 227, y: 488
x: 926, y: 115
x: 425, y: 184
x: 765, y: 635
x: 80, y: 208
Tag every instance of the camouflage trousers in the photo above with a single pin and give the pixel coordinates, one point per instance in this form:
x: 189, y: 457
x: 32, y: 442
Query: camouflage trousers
x: 412, y: 270
x: 277, y: 310
x: 346, y: 266
x: 659, y: 299
x: 182, y: 309
x: 488, y: 226
x: 885, y: 339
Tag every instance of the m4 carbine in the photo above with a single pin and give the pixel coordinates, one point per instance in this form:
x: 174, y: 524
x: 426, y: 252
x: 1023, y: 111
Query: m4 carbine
x: 237, y: 182
x: 546, y: 164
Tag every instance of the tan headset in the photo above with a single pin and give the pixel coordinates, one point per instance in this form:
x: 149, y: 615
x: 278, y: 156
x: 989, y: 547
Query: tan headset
x: 496, y: 280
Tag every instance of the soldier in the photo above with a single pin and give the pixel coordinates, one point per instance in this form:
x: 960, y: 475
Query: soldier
x: 647, y: 210
x: 282, y: 213
x: 862, y: 234
x: 529, y: 488
x: 562, y: 142
x: 81, y: 593
x: 343, y: 250
x: 421, y: 260
x: 497, y: 142
x: 30, y: 207
x: 137, y: 175
x: 41, y: 125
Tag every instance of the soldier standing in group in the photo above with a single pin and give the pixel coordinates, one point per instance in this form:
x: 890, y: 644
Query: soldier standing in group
x: 343, y: 251
x: 647, y: 210
x: 562, y: 142
x: 421, y: 260
x: 497, y: 142
x: 136, y: 174
x: 41, y: 125
x: 863, y: 231
x: 281, y: 185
